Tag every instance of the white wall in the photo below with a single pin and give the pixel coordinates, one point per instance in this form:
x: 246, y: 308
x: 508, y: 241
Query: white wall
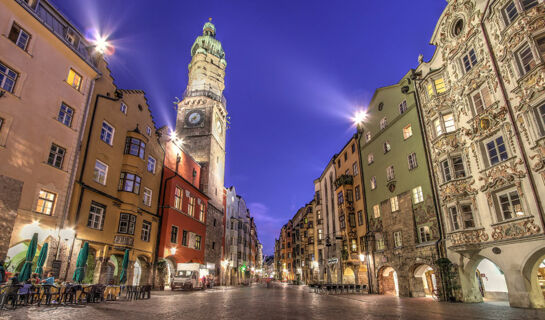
x: 493, y: 279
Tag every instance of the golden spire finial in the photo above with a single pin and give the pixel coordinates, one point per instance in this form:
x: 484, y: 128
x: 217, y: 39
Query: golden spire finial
x: 210, y: 19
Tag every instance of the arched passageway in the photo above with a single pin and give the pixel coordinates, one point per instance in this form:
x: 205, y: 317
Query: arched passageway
x: 534, y: 275
x: 424, y: 282
x: 491, y: 281
x: 137, y: 273
x: 387, y: 281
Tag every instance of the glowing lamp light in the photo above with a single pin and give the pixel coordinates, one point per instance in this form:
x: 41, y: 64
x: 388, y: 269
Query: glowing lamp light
x: 101, y: 44
x: 359, y: 117
x: 173, y: 250
x: 362, y: 257
x: 315, y: 264
x: 225, y: 263
x: 299, y: 270
x: 67, y: 233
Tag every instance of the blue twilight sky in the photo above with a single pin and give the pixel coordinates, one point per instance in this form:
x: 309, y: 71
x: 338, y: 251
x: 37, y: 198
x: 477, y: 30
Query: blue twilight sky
x: 296, y: 72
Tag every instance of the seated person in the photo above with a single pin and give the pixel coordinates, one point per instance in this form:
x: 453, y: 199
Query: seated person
x: 50, y: 280
x: 14, y: 279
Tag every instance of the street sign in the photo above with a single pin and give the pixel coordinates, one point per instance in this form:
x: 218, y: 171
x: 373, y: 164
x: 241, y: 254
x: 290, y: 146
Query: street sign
x: 332, y: 260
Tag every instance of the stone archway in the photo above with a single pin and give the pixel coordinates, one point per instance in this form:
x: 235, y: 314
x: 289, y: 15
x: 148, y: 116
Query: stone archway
x: 137, y: 272
x: 387, y: 281
x: 362, y: 275
x: 349, y: 276
x: 533, y: 273
x: 423, y: 281
x: 491, y: 281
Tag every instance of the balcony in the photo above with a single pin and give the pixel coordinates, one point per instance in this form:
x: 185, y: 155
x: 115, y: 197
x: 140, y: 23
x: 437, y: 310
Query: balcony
x: 344, y: 180
x: 206, y: 91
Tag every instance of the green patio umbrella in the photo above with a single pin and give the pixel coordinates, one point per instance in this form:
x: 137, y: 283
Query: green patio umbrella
x: 41, y: 260
x: 24, y: 275
x: 123, y: 276
x: 79, y: 274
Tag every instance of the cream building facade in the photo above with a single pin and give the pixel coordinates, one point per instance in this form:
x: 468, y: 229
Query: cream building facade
x: 47, y: 73
x: 482, y: 98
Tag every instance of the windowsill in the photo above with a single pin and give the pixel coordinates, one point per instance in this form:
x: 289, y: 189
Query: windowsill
x: 466, y: 230
x: 492, y: 107
x: 511, y: 220
x: 425, y: 244
x: 126, y: 154
x: 42, y: 214
x: 60, y: 169
x: 25, y: 51
x: 528, y: 74
x: 69, y: 127
x: 443, y: 135
x: 454, y: 180
x: 128, y: 192
x: 77, y: 90
x: 10, y: 93
x: 186, y: 214
x: 125, y: 234
x: 109, y: 144
x: 498, y: 164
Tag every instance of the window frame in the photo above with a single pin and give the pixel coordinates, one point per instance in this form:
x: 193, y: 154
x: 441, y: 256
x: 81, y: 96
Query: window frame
x: 54, y: 156
x: 418, y: 195
x: 386, y: 146
x: 67, y: 113
x: 139, y: 144
x: 370, y: 158
x: 376, y: 211
x: 107, y: 131
x: 373, y: 183
x: 123, y: 108
x: 95, y: 220
x: 136, y: 182
x: 19, y: 32
x: 178, y: 198
x: 407, y: 131
x: 147, y: 196
x: 469, y: 60
x: 508, y: 19
x: 154, y: 164
x: 394, y: 204
x: 44, y: 200
x: 74, y: 84
x: 500, y: 158
x: 398, y: 239
x: 427, y: 235
x: 191, y: 206
x: 390, y: 173
x: 145, y: 234
x: 383, y: 123
x: 403, y: 107
x: 130, y: 221
x: 412, y: 161
x: 9, y: 74
x: 105, y: 172
x: 501, y: 213
x: 525, y: 68
x: 174, y: 235
x: 198, y: 240
x: 355, y: 168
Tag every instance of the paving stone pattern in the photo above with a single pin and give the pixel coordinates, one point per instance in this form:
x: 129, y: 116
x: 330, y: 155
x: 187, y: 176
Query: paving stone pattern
x: 280, y: 302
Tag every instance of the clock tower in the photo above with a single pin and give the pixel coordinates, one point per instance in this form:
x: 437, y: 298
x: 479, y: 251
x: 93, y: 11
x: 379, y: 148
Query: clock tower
x: 202, y: 114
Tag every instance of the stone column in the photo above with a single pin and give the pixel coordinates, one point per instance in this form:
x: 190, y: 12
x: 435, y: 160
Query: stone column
x: 519, y: 297
x: 470, y: 288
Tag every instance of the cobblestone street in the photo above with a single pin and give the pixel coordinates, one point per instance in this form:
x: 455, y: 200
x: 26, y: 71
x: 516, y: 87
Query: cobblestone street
x: 280, y: 302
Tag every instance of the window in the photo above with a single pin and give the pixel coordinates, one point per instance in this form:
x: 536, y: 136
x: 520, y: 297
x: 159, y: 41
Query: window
x: 151, y: 164
x: 46, y: 202
x: 424, y: 234
x: 403, y: 107
x: 146, y: 231
x: 541, y: 47
x: 353, y: 147
x: 1, y: 123
x: 148, y: 131
x: 525, y: 59
x: 394, y: 204
x: 320, y: 234
x: 376, y: 211
x: 107, y: 133
x: 345, y: 156
x: 379, y: 242
x: 418, y: 196
x: 464, y: 220
x: 178, y: 198
x: 444, y: 124
x: 510, y: 205
x: 355, y: 168
x: 370, y: 158
x: 74, y: 79
x: 510, y: 13
x: 147, y: 197
x: 540, y: 112
x: 123, y: 108
x: 386, y: 146
x: 340, y: 198
x: 65, y: 115
x: 353, y: 245
x: 184, y: 238
x: 135, y: 147
x: 367, y: 136
x: 127, y: 222
x: 96, y: 216
x: 197, y: 242
x: 56, y: 156
x: 383, y: 123
x: 357, y: 192
x: 440, y: 86
x: 342, y: 221
x: 174, y: 234
x: 129, y: 182
x: 390, y: 174
x: 101, y: 172
x: 398, y: 241
x: 411, y: 159
x: 201, y: 216
x: 360, y: 218
x: 481, y: 100
x: 453, y: 168
x: 19, y: 36
x: 191, y: 206
x: 430, y: 90
x: 528, y: 4
x: 469, y: 60
x: 8, y: 78
x: 373, y: 183
x: 496, y: 151
x: 407, y: 132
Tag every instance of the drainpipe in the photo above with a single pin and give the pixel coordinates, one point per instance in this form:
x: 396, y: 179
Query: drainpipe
x: 362, y: 183
x: 160, y: 208
x: 72, y: 178
x: 439, y: 244
x: 512, y: 116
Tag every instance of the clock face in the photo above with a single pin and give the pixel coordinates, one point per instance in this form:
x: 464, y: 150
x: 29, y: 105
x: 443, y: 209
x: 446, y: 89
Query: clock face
x: 194, y: 118
x: 219, y: 127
